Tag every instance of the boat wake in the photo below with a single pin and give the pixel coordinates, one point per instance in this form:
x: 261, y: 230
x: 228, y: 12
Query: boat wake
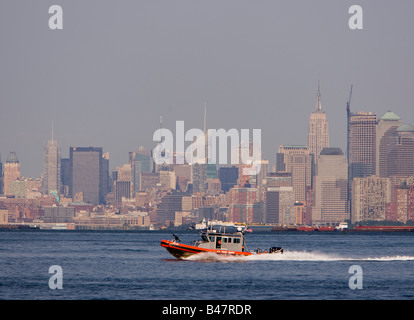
x: 292, y: 256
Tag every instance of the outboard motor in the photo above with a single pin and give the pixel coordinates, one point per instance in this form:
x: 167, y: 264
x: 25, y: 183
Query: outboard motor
x: 275, y: 249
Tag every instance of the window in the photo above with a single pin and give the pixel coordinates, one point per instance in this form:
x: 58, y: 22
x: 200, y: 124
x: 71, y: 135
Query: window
x: 236, y: 240
x: 212, y: 239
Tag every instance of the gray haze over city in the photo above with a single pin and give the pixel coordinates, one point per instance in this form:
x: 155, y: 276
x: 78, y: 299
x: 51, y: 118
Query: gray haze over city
x: 116, y: 66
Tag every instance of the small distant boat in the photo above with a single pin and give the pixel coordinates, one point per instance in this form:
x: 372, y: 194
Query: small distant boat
x: 215, y: 242
x: 342, y: 226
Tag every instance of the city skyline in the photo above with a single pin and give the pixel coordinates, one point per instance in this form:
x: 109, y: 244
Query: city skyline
x: 255, y: 66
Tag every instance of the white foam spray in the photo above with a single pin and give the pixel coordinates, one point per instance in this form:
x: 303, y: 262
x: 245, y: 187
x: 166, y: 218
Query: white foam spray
x: 292, y: 256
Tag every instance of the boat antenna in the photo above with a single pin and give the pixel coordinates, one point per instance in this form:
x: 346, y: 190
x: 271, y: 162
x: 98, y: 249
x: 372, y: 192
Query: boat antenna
x: 176, y: 237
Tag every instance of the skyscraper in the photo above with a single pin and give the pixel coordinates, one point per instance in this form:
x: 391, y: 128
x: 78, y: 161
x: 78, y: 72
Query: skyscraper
x: 11, y: 171
x: 51, y: 170
x: 142, y: 162
x: 400, y: 162
x: 228, y: 177
x: 330, y: 187
x: 297, y: 161
x: 386, y: 133
x: 362, y: 144
x: 280, y: 206
x: 90, y: 174
x: 318, y: 136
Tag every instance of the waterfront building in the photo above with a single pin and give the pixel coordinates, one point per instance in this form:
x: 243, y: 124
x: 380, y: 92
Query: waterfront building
x: 402, y: 207
x: 318, y: 134
x: 297, y: 161
x: 59, y: 214
x: 330, y: 201
x: 11, y: 171
x: 370, y: 198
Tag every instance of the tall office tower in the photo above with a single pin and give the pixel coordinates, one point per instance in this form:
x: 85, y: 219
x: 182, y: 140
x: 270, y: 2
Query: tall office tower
x: 330, y: 202
x: 386, y: 133
x: 141, y: 162
x: 90, y: 174
x: 280, y: 206
x: 170, y: 204
x: 298, y: 161
x: 362, y: 144
x: 51, y: 168
x: 199, y: 165
x: 199, y: 177
x: 318, y: 136
x: 122, y: 190
x: 228, y: 177
x: 11, y: 171
x: 370, y: 197
x: 401, y: 154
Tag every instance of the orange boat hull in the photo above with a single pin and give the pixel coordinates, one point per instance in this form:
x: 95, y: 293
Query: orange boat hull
x: 182, y: 251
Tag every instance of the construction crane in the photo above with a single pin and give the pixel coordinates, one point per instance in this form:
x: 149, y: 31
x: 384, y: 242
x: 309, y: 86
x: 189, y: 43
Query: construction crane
x: 348, y: 114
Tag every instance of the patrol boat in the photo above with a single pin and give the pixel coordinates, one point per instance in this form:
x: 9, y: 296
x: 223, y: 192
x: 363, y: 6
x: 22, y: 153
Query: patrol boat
x: 213, y: 241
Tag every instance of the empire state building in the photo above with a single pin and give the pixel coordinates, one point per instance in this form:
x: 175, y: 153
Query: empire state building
x: 318, y: 136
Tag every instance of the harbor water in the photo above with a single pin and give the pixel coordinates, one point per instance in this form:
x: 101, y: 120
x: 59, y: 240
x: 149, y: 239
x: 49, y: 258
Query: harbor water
x: 132, y: 265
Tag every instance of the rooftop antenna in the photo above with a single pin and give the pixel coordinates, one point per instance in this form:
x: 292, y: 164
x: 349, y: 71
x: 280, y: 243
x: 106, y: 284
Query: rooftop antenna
x: 318, y: 99
x: 53, y: 133
x: 205, y: 116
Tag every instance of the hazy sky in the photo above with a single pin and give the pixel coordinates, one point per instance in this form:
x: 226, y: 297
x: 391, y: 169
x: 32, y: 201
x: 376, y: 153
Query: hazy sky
x: 116, y: 66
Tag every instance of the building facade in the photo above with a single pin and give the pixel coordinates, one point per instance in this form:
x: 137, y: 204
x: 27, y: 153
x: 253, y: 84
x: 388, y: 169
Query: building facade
x: 400, y: 159
x: 51, y: 180
x: 228, y: 177
x: 386, y: 133
x: 370, y: 198
x: 11, y: 171
x: 298, y: 162
x: 318, y: 134
x: 89, y: 174
x: 280, y: 206
x: 362, y: 144
x: 330, y: 202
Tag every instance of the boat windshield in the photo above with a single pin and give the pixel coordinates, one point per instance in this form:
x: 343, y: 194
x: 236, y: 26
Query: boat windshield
x: 204, y: 238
